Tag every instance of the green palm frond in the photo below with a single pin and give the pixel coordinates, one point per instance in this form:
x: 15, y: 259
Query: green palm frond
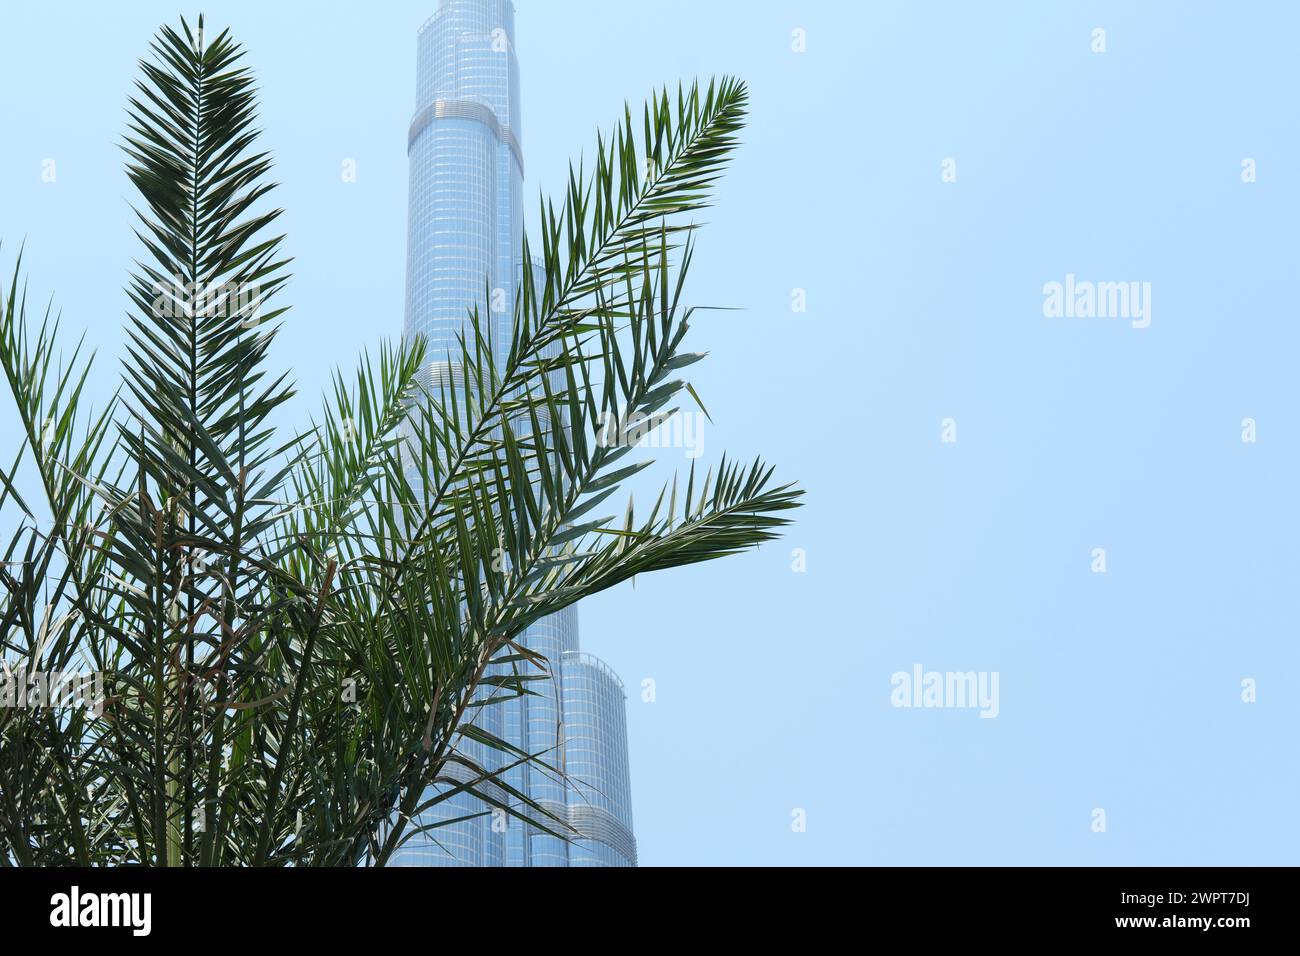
x: 300, y: 634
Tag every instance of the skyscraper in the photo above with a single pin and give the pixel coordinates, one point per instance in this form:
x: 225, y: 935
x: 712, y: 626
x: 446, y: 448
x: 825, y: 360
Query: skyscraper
x: 464, y: 242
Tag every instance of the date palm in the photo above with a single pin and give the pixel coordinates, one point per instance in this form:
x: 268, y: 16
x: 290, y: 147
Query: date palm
x: 296, y: 631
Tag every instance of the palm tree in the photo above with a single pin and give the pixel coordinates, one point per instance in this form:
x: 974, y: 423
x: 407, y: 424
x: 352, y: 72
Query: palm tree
x: 295, y: 632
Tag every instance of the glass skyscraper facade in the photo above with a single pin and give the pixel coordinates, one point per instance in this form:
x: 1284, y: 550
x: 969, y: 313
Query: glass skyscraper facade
x: 464, y: 244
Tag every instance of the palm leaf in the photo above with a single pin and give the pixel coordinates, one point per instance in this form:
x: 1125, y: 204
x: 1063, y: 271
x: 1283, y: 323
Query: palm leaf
x: 304, y: 637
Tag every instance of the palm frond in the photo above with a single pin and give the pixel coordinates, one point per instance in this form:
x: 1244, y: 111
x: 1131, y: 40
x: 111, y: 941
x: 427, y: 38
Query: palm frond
x: 301, y: 637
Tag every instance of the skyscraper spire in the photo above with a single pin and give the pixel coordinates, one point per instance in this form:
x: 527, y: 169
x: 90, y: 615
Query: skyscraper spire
x: 464, y: 246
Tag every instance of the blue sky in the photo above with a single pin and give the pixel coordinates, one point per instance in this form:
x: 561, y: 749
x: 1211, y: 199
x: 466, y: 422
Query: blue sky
x: 1119, y: 690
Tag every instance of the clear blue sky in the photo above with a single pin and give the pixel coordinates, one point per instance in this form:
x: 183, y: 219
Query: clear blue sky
x: 1119, y: 691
